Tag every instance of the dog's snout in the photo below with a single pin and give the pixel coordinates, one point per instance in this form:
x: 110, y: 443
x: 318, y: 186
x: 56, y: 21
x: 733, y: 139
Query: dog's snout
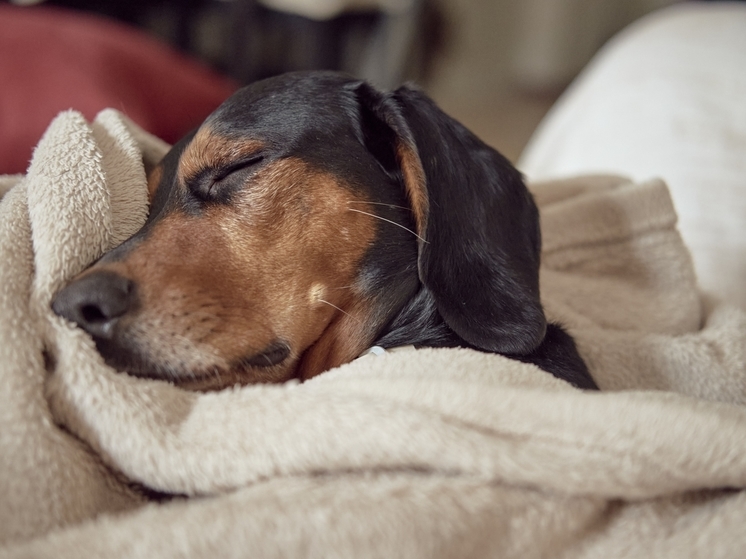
x: 96, y: 302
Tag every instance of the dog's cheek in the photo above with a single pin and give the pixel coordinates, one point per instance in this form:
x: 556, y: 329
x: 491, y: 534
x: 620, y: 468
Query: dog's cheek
x: 292, y: 236
x: 190, y: 289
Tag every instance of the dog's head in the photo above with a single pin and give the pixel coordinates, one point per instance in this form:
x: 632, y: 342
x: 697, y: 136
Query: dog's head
x: 293, y: 226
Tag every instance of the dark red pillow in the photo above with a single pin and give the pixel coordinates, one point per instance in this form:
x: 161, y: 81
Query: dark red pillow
x: 53, y: 59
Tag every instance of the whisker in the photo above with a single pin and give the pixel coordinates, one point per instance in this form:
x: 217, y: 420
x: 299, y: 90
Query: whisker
x: 388, y: 221
x: 378, y: 204
x: 340, y: 310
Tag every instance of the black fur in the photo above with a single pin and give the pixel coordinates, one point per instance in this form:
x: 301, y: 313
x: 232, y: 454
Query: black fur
x: 478, y: 268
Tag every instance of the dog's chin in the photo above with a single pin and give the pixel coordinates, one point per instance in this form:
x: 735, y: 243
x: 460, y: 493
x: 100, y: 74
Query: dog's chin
x: 271, y: 366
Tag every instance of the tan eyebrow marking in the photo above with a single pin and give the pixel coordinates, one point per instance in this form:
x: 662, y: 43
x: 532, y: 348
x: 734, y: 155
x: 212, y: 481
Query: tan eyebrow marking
x: 210, y: 150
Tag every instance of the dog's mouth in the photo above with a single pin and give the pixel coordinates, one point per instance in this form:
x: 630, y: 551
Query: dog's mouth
x: 273, y: 354
x: 267, y: 365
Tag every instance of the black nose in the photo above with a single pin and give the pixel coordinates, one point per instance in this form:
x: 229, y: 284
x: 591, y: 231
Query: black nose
x: 96, y: 302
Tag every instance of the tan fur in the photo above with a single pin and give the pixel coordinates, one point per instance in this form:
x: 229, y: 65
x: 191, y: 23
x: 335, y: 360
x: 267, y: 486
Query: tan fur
x: 342, y: 340
x: 414, y: 182
x: 154, y: 179
x: 208, y: 149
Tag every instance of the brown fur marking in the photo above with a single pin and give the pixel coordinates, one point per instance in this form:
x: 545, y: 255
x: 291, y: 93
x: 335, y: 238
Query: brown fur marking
x: 342, y: 341
x: 154, y: 179
x: 208, y: 149
x: 414, y: 182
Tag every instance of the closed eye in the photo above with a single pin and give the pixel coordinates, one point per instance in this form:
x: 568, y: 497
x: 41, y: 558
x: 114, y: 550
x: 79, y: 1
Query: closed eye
x: 236, y: 167
x: 217, y: 185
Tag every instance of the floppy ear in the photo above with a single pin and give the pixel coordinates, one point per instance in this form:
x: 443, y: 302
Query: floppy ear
x: 480, y: 243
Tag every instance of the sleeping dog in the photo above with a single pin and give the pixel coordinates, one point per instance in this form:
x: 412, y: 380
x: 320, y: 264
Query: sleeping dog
x: 310, y: 217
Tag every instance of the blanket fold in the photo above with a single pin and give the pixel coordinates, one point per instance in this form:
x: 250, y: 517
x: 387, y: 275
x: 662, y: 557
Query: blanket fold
x: 417, y: 453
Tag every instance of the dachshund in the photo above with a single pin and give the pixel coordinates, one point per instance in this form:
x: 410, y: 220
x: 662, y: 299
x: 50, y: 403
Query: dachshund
x: 310, y: 217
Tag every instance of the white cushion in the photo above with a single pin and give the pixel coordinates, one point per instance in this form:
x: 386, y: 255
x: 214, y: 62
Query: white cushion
x: 666, y: 98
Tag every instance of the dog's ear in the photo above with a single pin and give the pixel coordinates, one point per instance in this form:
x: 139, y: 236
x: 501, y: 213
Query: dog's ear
x: 479, y: 246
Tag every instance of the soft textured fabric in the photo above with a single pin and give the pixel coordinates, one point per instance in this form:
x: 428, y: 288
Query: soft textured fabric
x: 665, y: 99
x: 415, y: 453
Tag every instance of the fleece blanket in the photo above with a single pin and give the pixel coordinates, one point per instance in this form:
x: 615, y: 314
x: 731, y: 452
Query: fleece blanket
x: 427, y: 453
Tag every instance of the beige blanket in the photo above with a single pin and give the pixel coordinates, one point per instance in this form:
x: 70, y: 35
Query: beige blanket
x: 416, y: 453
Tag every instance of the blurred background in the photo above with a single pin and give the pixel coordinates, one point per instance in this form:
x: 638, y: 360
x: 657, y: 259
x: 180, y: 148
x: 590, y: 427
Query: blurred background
x: 495, y: 65
x: 669, y: 106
